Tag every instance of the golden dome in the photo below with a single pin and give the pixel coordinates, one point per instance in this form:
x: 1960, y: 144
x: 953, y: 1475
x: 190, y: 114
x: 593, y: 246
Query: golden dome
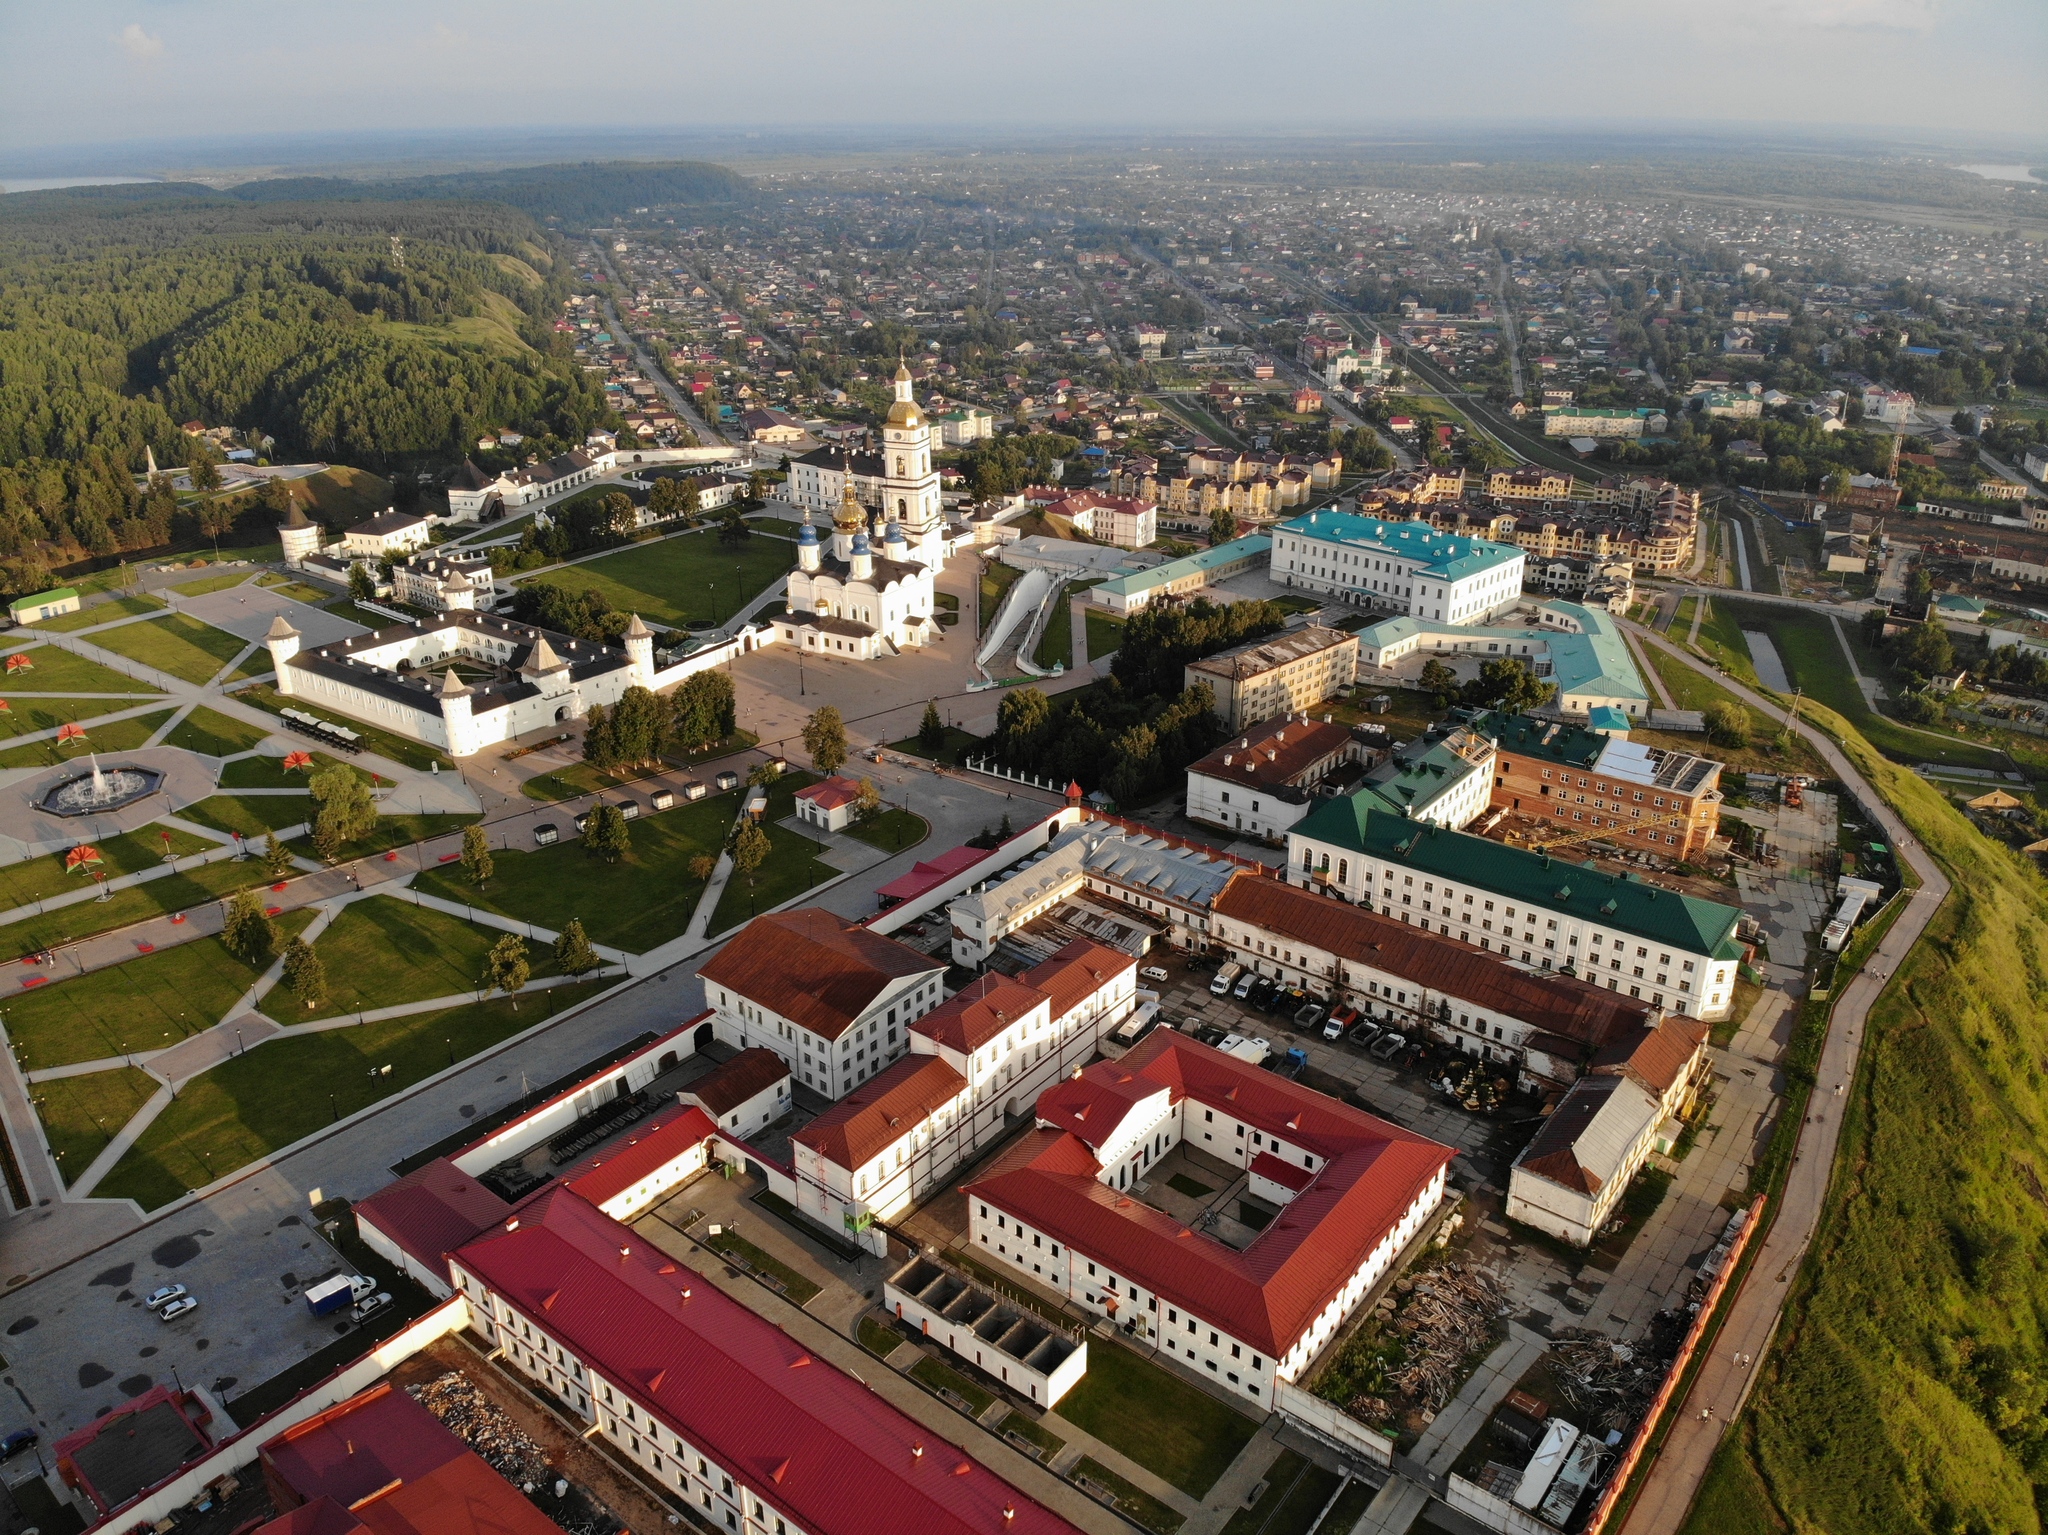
x: 852, y: 518
x: 904, y: 413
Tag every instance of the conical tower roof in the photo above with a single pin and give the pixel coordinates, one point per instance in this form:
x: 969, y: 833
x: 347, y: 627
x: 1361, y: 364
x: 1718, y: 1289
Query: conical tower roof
x: 451, y: 685
x: 295, y: 518
x: 458, y: 582
x: 542, y: 658
x: 281, y: 629
x: 636, y: 630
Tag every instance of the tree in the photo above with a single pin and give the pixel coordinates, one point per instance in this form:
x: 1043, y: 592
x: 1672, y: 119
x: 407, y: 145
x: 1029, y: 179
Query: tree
x: 1440, y: 682
x: 305, y: 973
x: 246, y: 931
x: 346, y: 810
x: 690, y: 499
x: 867, y: 800
x: 476, y: 855
x: 361, y: 585
x: 702, y: 867
x: 704, y: 710
x: 1727, y: 723
x: 931, y: 731
x: 732, y: 527
x: 825, y: 739
x: 763, y: 774
x: 506, y: 969
x: 642, y: 727
x: 215, y: 516
x: 573, y: 953
x: 750, y: 847
x: 1222, y: 526
x: 607, y: 832
x: 665, y: 500
x: 277, y: 861
x: 1508, y: 684
x: 757, y: 487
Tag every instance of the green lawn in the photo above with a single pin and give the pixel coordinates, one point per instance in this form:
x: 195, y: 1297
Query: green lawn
x: 114, y: 736
x: 643, y: 900
x: 957, y: 741
x: 581, y: 778
x: 250, y: 1105
x: 1688, y: 688
x: 219, y: 583
x: 877, y: 1339
x: 28, y: 716
x: 1721, y: 638
x: 799, y: 1289
x: 54, y: 670
x: 180, y: 645
x: 996, y: 579
x: 269, y: 773
x: 1105, y: 635
x: 398, y: 831
x: 1056, y: 644
x: 892, y: 830
x: 81, y: 1115
x: 36, y: 879
x: 1139, y: 1505
x: 101, y: 613
x: 385, y: 951
x: 940, y: 1378
x: 1172, y: 1429
x: 193, y: 886
x: 215, y: 734
x: 792, y: 866
x: 298, y: 591
x: 677, y: 579
x: 399, y: 749
x: 1024, y: 1427
x: 1296, y: 1490
x: 148, y: 1003
x: 253, y: 815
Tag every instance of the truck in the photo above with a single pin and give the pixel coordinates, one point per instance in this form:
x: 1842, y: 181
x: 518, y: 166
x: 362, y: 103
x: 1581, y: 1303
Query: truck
x: 330, y: 1295
x: 1141, y: 1018
x: 1251, y: 1051
x: 1225, y: 978
x: 1294, y: 1065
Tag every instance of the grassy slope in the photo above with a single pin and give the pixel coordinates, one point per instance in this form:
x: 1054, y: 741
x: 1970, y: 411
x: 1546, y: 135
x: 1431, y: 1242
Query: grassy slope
x: 677, y: 579
x: 1907, y: 1386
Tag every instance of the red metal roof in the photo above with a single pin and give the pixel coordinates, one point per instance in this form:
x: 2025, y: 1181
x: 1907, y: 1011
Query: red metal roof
x: 813, y: 967
x: 1288, y: 1175
x: 622, y: 1164
x: 1075, y: 972
x: 802, y: 1435
x: 832, y: 793
x: 753, y: 1071
x: 432, y: 1211
x: 875, y: 1115
x: 1269, y: 1293
x: 978, y: 1012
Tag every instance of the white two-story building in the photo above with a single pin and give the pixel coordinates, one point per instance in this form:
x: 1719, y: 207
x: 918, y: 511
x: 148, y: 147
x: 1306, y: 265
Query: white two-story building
x: 1398, y: 567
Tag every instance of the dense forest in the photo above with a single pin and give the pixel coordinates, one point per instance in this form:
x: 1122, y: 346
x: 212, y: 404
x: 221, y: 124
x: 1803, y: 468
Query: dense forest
x: 574, y: 195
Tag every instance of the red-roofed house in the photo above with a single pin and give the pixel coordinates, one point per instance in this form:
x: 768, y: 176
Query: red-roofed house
x: 626, y: 1176
x: 716, y: 1404
x: 424, y: 1216
x: 830, y: 803
x: 746, y: 1095
x: 1057, y: 1206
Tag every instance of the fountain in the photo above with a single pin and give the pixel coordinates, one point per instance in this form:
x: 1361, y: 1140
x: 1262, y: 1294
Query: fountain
x: 101, y: 789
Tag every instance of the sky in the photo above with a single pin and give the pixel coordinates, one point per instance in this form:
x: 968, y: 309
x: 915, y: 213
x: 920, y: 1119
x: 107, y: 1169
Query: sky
x: 148, y: 72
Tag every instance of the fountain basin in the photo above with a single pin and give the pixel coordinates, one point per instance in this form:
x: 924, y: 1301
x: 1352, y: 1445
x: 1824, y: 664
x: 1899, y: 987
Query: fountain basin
x: 103, y: 789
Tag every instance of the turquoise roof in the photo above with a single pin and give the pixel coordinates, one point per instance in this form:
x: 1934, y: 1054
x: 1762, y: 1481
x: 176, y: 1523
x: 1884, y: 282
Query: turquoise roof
x: 1606, y: 718
x: 1596, y: 662
x: 1620, y: 901
x: 1446, y: 556
x: 1194, y: 564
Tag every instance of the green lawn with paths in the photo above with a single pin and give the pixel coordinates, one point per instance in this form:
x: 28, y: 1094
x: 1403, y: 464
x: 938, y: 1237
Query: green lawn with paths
x: 399, y: 749
x: 799, y: 1289
x: 269, y: 772
x: 674, y: 580
x: 943, y: 1378
x: 1172, y: 1429
x: 1105, y: 635
x: 791, y: 868
x: 1138, y: 1505
x: 215, y: 734
x: 113, y: 736
x: 1056, y: 643
x: 581, y: 778
x: 298, y: 591
x: 385, y: 951
x: 1721, y: 638
x: 36, y: 879
x: 219, y: 583
x: 28, y: 716
x: 252, y: 815
x: 250, y: 1105
x: 1296, y: 1490
x: 180, y: 645
x: 81, y: 1115
x: 53, y: 669
x: 956, y: 742
x: 101, y: 613
x: 195, y: 885
x: 635, y: 904
x: 147, y: 1003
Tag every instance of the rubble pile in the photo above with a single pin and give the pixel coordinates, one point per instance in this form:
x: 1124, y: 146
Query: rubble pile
x: 485, y: 1427
x: 1606, y: 1384
x: 1444, y: 1318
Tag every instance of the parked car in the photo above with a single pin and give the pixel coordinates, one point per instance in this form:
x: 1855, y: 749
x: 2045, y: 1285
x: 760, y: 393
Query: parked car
x: 363, y: 1311
x: 179, y: 1307
x: 1245, y: 983
x: 1154, y: 973
x: 1386, y: 1046
x: 163, y: 1297
x: 1308, y: 1015
x: 16, y: 1442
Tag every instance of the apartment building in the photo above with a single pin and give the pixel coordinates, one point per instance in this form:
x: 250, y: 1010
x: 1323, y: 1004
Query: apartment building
x: 1547, y: 913
x: 1636, y: 796
x: 1262, y: 783
x: 1067, y: 1206
x: 1399, y: 567
x: 1528, y: 483
x: 1588, y: 421
x: 1268, y: 678
x: 1439, y: 779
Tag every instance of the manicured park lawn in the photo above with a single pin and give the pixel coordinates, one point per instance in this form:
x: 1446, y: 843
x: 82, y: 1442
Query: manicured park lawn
x: 956, y: 742
x: 1134, y: 1502
x: 215, y: 734
x: 397, y: 831
x: 581, y: 778
x: 269, y: 773
x: 941, y: 1378
x: 792, y: 866
x: 892, y: 830
x: 298, y: 591
x: 27, y: 716
x: 642, y: 900
x: 253, y: 815
x: 81, y: 1114
x: 115, y: 736
x: 180, y: 645
x: 1056, y: 644
x: 385, y: 951
x: 674, y: 580
x: 102, y: 613
x: 204, y: 584
x: 1105, y: 635
x: 412, y: 754
x: 1173, y: 1429
x: 149, y: 1003
x: 195, y: 885
x: 252, y: 1104
x: 38, y: 879
x: 53, y: 670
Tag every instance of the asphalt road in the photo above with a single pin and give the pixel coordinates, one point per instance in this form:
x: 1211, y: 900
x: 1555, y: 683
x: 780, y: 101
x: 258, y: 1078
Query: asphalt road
x: 1724, y: 1380
x: 707, y: 434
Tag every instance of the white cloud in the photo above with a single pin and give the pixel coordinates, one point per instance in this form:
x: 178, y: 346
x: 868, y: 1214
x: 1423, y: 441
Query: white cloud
x: 138, y: 44
x: 1863, y: 15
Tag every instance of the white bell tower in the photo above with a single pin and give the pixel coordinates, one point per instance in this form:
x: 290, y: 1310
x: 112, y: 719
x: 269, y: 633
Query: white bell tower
x: 910, y: 485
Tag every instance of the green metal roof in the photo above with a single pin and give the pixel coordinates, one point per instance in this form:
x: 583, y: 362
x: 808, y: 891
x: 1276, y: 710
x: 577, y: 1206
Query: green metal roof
x: 1173, y: 570
x: 1620, y: 901
x: 55, y: 594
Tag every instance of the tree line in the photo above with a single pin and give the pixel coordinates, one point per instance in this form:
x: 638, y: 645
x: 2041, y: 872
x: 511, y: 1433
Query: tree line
x: 643, y: 727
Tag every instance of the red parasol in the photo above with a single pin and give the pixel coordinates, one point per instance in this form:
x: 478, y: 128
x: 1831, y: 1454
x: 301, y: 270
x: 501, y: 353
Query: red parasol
x: 81, y: 857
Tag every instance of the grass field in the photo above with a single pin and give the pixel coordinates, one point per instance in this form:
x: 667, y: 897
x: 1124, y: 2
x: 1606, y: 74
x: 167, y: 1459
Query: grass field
x: 52, y: 670
x: 1105, y: 635
x: 201, y: 585
x: 180, y: 645
x: 1056, y: 644
x: 269, y: 773
x: 253, y: 815
x: 37, y: 879
x: 1296, y: 1490
x: 996, y: 579
x: 250, y: 1105
x: 1903, y: 1393
x: 1174, y: 1430
x: 192, y: 886
x: 1721, y: 638
x: 385, y: 951
x: 791, y: 868
x: 892, y: 830
x: 298, y: 591
x: 942, y: 1378
x: 101, y: 613
x: 217, y: 735
x: 677, y: 579
x: 799, y: 1289
x: 957, y: 741
x: 399, y: 749
x: 640, y: 901
x: 81, y: 1115
x: 1135, y: 1503
x: 114, y: 736
x: 581, y: 778
x: 149, y: 1003
x: 31, y: 715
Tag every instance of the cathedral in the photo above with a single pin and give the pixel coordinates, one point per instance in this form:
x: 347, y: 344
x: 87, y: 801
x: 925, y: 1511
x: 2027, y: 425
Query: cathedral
x: 856, y: 602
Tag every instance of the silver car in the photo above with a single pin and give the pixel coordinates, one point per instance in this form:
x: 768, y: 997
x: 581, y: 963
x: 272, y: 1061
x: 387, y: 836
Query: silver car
x: 156, y: 1300
x: 179, y: 1307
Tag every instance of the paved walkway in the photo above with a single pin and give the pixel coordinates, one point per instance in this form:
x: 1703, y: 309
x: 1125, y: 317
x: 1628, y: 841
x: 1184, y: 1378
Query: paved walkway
x: 1466, y: 1413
